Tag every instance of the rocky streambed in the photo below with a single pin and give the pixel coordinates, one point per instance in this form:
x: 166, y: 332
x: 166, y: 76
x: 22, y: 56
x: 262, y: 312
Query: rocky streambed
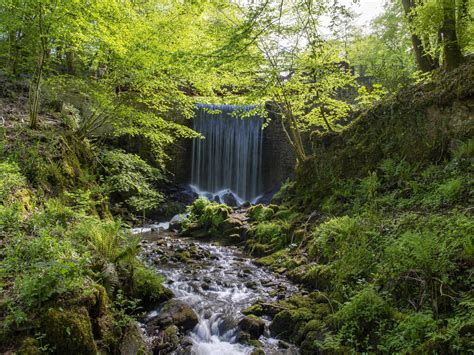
x: 213, y: 286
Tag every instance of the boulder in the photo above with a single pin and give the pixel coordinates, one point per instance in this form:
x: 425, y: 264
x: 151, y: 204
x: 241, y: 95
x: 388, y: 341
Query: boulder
x: 232, y: 224
x: 167, y: 340
x: 133, y: 341
x: 69, y: 331
x: 229, y: 199
x: 253, y: 326
x: 175, y: 222
x: 174, y: 312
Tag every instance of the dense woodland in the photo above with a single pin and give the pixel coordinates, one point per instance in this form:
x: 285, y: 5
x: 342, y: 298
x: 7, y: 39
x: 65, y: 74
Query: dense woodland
x: 375, y: 227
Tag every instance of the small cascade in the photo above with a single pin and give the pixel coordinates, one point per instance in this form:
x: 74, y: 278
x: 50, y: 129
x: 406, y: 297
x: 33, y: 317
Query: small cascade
x: 230, y: 156
x: 218, y: 283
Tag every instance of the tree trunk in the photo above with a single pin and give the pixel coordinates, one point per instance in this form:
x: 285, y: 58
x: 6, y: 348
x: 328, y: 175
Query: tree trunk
x: 34, y: 94
x: 452, y: 54
x: 423, y: 60
x: 70, y: 63
x: 13, y: 52
x: 35, y: 86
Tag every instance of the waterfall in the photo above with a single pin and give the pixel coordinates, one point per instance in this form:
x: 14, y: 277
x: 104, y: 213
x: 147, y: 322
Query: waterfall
x: 230, y: 156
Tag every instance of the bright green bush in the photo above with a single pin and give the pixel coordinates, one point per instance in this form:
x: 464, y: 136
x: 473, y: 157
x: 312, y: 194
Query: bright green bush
x: 409, y: 334
x: 362, y: 320
x: 130, y: 181
x: 148, y: 287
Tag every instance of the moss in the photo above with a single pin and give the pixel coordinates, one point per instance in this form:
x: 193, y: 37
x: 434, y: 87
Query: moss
x: 276, y: 258
x: 183, y: 256
x: 69, y: 331
x: 30, y: 346
x: 147, y: 286
x: 257, y: 249
x: 260, y: 213
x: 255, y: 309
x: 286, y: 323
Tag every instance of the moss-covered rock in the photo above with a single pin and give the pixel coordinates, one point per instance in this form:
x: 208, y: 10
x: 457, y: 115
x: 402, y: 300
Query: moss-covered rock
x: 260, y: 213
x: 29, y: 346
x: 167, y: 340
x: 253, y: 326
x: 176, y: 313
x: 255, y: 309
x: 133, y: 342
x: 286, y: 323
x: 68, y: 330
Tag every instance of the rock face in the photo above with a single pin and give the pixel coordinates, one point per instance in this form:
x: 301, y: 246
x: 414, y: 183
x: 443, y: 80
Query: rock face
x: 253, y: 326
x: 175, y: 313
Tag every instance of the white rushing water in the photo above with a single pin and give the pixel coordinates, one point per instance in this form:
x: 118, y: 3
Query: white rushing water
x: 218, y: 288
x: 230, y: 156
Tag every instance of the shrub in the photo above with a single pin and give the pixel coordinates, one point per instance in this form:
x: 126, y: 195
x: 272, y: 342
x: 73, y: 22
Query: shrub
x: 130, y: 181
x: 363, y: 319
x: 421, y: 262
x: 47, y: 280
x: 147, y: 286
x: 451, y: 190
x: 409, y: 334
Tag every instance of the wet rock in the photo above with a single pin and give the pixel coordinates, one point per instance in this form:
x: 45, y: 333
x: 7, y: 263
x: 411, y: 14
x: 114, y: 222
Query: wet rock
x: 209, y: 196
x: 255, y: 309
x: 186, y: 346
x: 229, y: 199
x: 175, y: 223
x: 226, y: 324
x: 166, y: 341
x: 251, y: 284
x: 176, y: 313
x: 232, y: 224
x: 286, y: 321
x: 217, y: 199
x: 283, y: 344
x: 244, y: 337
x: 252, y: 325
x: 133, y: 341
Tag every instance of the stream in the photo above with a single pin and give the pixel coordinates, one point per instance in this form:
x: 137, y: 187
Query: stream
x: 218, y: 283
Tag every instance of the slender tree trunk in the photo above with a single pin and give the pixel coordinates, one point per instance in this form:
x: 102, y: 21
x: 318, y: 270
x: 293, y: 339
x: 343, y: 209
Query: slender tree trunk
x: 13, y: 51
x: 35, y: 85
x: 423, y: 60
x: 34, y: 93
x: 452, y: 54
